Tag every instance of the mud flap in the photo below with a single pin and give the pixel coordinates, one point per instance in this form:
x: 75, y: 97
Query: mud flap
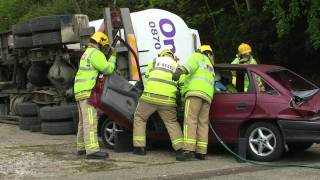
x: 120, y: 96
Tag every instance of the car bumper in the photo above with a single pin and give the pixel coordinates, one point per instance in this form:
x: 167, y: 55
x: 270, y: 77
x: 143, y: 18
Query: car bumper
x: 300, y: 131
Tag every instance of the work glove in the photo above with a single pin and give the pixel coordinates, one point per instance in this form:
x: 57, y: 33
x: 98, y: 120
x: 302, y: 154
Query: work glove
x: 113, y: 51
x: 176, y: 75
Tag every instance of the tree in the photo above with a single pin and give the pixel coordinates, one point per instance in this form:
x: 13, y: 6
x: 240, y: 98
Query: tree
x: 281, y: 32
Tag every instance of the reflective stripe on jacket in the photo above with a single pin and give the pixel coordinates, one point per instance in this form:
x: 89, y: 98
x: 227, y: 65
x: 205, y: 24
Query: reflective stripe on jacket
x: 159, y: 81
x: 200, y: 76
x: 91, y: 63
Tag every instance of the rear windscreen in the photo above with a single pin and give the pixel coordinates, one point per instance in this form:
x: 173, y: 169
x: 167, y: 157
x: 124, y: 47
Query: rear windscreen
x: 291, y: 81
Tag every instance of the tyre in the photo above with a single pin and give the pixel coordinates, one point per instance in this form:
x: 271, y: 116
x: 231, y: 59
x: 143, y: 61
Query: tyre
x: 298, y: 147
x: 27, y: 109
x: 108, y: 131
x: 37, y: 74
x: 35, y: 128
x: 264, y: 142
x: 48, y: 38
x: 21, y: 78
x: 25, y: 123
x: 4, y: 108
x: 21, y: 42
x: 54, y: 113
x: 14, y: 101
x: 3, y: 74
x: 49, y: 23
x: 21, y: 29
x: 75, y: 118
x: 57, y: 128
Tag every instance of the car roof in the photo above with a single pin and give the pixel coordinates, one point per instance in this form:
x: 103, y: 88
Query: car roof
x: 254, y: 67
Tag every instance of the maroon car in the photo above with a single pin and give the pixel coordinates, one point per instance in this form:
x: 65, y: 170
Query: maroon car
x: 270, y: 107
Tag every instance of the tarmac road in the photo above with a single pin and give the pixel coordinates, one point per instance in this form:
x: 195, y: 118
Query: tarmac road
x: 26, y: 155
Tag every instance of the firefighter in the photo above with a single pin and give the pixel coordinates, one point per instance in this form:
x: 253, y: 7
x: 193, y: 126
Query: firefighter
x: 243, y: 57
x: 159, y: 95
x: 198, y: 91
x: 92, y: 62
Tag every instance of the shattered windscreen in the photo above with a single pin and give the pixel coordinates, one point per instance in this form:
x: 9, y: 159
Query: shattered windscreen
x: 294, y: 83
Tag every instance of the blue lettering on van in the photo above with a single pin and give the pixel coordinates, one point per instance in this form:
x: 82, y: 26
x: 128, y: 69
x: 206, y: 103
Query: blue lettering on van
x: 168, y: 33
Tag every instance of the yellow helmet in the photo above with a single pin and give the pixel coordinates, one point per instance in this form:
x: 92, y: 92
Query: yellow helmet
x: 204, y: 48
x: 100, y: 38
x: 165, y: 52
x: 244, y: 48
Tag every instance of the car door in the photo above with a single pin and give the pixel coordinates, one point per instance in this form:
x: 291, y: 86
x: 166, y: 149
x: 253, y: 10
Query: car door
x: 233, y: 104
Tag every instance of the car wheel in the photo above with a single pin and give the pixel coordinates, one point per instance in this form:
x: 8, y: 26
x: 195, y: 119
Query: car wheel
x: 264, y: 142
x: 298, y: 147
x: 109, y: 129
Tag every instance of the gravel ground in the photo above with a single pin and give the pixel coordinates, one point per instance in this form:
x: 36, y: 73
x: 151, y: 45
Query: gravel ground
x: 26, y: 155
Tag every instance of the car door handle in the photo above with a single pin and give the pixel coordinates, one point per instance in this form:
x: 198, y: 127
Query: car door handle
x: 242, y: 106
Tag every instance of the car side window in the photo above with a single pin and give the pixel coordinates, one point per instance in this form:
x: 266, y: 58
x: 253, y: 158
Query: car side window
x: 231, y: 81
x: 263, y: 86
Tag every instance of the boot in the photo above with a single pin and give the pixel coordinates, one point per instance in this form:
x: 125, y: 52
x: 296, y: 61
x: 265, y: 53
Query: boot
x: 184, y: 155
x: 98, y: 155
x: 139, y: 151
x: 179, y: 151
x: 200, y: 156
x: 81, y: 152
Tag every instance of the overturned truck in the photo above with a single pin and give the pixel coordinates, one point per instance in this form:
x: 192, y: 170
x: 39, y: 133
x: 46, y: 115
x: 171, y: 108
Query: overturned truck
x: 39, y: 59
x: 37, y: 67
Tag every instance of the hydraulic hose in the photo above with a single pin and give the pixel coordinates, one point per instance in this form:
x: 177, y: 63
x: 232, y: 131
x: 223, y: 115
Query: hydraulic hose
x: 256, y: 162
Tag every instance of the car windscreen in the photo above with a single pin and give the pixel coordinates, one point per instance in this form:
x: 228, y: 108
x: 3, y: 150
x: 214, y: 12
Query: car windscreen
x: 294, y: 83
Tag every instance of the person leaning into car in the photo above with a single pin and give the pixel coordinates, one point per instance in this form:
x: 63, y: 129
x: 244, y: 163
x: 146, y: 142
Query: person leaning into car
x: 159, y: 95
x: 244, y: 56
x: 198, y: 91
x: 92, y: 62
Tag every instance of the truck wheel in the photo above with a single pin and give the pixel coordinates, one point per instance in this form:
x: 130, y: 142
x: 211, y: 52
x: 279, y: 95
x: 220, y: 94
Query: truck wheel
x: 21, y: 29
x: 264, y: 142
x: 21, y: 42
x: 47, y: 38
x: 21, y: 78
x: 56, y: 113
x: 37, y: 74
x: 25, y: 123
x: 57, y: 128
x: 4, y: 109
x: 75, y: 118
x: 35, y: 128
x: 49, y: 23
x: 298, y: 147
x: 109, y: 129
x: 14, y: 101
x: 27, y: 109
